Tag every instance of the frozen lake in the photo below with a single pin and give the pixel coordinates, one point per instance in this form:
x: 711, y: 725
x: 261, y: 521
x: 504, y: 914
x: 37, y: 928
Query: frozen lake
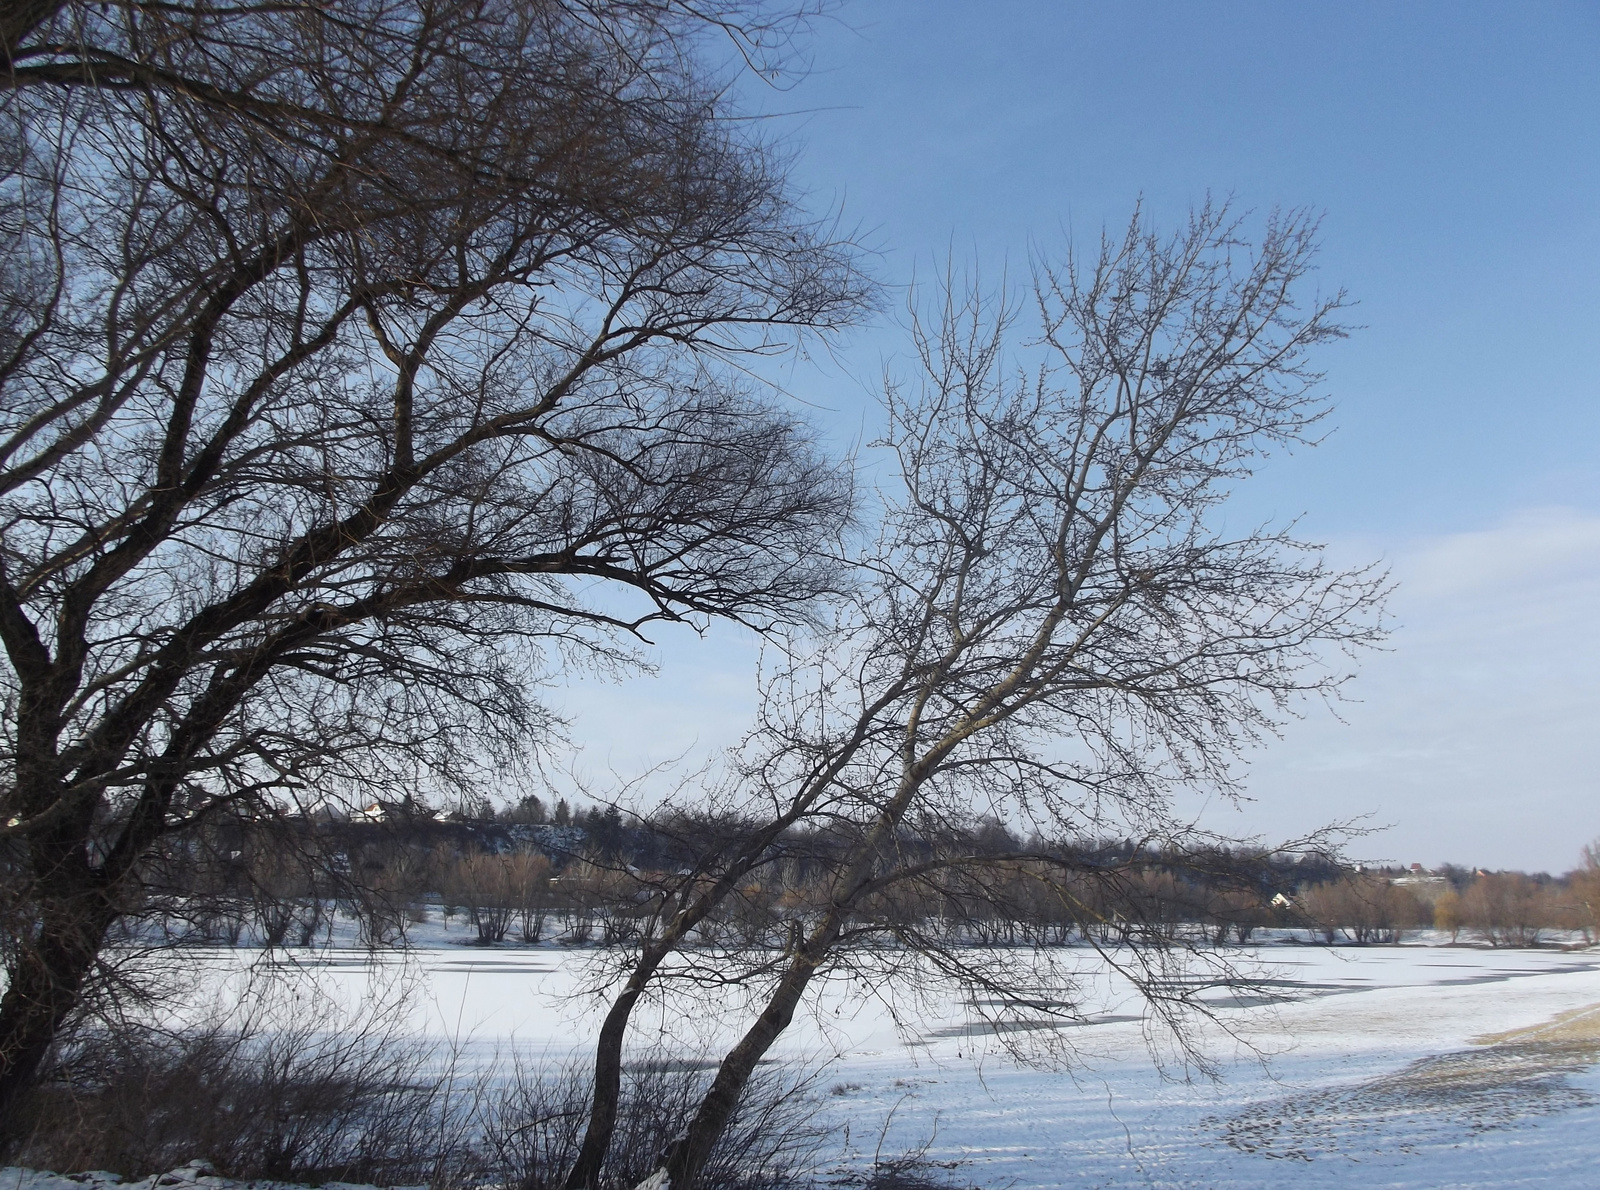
x: 1410, y: 1066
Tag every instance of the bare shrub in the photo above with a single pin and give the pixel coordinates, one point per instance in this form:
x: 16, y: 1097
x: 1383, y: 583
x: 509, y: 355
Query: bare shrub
x: 308, y: 1096
x: 1447, y: 913
x: 1241, y: 911
x: 590, y: 894
x: 291, y: 1088
x: 531, y: 1133
x: 286, y: 901
x: 530, y: 886
x: 909, y: 1171
x: 1583, y: 894
x: 497, y: 891
x: 481, y: 884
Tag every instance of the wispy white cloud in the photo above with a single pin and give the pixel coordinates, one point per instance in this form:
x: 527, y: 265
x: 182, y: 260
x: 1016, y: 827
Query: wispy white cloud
x: 1475, y: 735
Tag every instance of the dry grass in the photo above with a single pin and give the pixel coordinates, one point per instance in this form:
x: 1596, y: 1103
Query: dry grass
x: 1580, y: 1025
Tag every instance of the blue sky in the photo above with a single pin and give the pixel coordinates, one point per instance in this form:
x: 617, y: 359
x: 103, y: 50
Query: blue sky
x: 1454, y: 150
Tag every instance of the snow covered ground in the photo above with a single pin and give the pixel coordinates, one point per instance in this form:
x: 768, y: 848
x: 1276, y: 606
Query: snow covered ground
x: 1411, y: 1066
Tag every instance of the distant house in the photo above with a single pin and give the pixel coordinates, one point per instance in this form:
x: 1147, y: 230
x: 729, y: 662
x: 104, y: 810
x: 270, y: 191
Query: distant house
x: 1417, y: 874
x: 1422, y: 882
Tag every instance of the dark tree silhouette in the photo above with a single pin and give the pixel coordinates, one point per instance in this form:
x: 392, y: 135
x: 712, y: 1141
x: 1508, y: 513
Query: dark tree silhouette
x: 358, y: 363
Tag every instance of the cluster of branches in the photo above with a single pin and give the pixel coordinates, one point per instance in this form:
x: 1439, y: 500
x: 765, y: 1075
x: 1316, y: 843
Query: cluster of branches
x: 349, y: 356
x: 1051, y: 624
x: 359, y: 363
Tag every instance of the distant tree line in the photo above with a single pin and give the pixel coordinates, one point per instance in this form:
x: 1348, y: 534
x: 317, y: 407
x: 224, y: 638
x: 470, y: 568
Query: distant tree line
x: 526, y: 875
x: 1499, y: 908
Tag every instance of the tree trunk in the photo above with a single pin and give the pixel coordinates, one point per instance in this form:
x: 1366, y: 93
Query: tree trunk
x: 45, y: 979
x: 585, y: 1172
x: 689, y: 1154
x: 63, y: 907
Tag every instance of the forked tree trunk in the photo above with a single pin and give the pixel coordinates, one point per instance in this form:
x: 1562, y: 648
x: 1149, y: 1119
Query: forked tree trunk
x: 585, y: 1172
x: 607, y: 1094
x: 689, y: 1153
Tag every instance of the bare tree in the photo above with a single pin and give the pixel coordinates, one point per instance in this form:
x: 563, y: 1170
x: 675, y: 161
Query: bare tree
x: 1583, y: 892
x: 1508, y: 908
x: 349, y: 355
x: 1056, y: 628
x: 1365, y: 905
x: 1447, y: 914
